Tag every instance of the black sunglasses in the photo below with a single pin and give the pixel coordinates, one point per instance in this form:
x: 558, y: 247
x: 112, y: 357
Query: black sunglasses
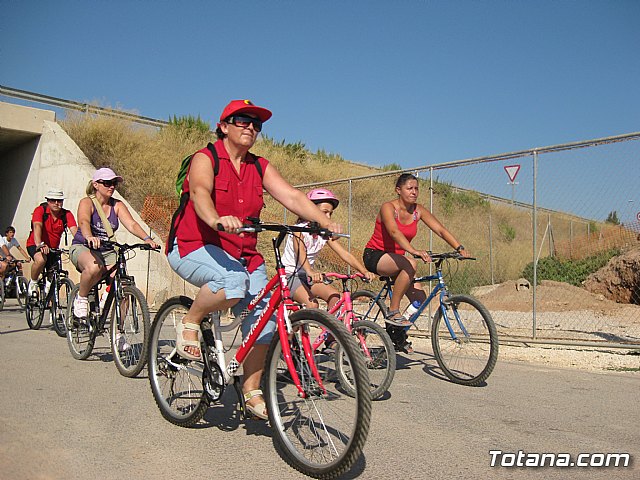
x: 244, y: 122
x: 108, y: 183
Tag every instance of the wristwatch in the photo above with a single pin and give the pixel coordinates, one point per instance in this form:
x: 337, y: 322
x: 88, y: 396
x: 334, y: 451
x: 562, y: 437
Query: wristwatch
x: 459, y: 248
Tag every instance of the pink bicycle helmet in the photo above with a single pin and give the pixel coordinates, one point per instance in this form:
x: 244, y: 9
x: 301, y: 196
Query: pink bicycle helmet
x: 321, y: 195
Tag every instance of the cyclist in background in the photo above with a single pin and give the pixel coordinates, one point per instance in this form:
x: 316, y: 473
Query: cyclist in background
x: 396, y: 225
x: 300, y: 254
x: 6, y: 244
x: 48, y: 221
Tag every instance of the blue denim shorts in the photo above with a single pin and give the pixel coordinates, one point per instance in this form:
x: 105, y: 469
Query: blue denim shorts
x: 217, y: 269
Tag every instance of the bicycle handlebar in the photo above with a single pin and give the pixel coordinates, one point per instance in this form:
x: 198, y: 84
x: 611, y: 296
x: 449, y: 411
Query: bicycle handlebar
x: 313, y: 228
x: 329, y: 277
x: 443, y: 256
x: 125, y: 246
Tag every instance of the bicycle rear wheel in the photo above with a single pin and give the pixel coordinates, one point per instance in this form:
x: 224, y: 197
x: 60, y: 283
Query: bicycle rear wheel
x: 59, y: 308
x: 177, y: 383
x: 465, y: 340
x: 2, y: 294
x: 366, y: 307
x: 35, y: 309
x: 129, y: 333
x: 379, y: 358
x: 321, y: 435
x: 80, y: 338
x: 22, y: 286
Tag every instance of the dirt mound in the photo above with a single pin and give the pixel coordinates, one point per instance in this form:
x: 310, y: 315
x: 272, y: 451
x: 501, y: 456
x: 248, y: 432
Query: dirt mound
x: 550, y: 297
x: 619, y: 279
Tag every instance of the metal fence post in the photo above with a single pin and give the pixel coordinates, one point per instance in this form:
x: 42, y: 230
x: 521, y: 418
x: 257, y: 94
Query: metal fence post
x: 535, y: 238
x: 491, y: 245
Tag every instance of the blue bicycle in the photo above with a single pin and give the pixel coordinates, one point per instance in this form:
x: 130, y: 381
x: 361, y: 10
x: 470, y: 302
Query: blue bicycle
x: 463, y: 333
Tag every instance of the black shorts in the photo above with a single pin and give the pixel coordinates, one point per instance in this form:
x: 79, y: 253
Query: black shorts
x: 51, y: 259
x: 371, y: 257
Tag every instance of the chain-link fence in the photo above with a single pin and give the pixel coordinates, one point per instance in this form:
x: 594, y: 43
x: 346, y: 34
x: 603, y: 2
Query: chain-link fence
x: 537, y: 239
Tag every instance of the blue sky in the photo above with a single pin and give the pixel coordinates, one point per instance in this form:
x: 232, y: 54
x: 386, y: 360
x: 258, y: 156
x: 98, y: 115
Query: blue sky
x: 406, y: 82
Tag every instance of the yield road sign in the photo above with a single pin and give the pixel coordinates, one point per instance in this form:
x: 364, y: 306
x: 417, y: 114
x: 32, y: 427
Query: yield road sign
x: 512, y: 171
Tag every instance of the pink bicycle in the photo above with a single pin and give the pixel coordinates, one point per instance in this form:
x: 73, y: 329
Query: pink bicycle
x: 373, y: 340
x: 318, y: 429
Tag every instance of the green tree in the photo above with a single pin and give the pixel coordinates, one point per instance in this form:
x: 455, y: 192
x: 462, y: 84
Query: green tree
x: 613, y: 218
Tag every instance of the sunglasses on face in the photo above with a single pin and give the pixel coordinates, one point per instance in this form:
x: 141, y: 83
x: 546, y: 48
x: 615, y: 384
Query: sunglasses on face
x: 55, y: 200
x: 244, y: 122
x: 108, y: 183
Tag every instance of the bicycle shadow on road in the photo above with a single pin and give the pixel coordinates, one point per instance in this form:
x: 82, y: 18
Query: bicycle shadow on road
x: 428, y: 363
x: 226, y: 416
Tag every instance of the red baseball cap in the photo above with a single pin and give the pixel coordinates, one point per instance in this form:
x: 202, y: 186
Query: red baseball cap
x: 245, y: 106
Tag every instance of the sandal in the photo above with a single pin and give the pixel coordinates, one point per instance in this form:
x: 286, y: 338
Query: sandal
x: 181, y: 343
x: 260, y: 409
x: 394, y: 318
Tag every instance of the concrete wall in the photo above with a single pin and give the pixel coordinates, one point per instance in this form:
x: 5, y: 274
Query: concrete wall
x: 54, y: 160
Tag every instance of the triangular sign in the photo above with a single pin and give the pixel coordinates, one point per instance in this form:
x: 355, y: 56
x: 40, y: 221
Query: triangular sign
x: 512, y: 171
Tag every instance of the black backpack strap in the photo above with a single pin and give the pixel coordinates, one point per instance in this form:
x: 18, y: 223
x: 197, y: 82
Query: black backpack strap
x: 216, y: 159
x: 258, y: 165
x: 45, y: 215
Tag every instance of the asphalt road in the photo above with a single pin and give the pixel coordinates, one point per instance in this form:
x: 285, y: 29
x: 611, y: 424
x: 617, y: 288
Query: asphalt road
x: 66, y: 419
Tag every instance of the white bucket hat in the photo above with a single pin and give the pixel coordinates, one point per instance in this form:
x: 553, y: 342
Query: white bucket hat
x: 55, y: 193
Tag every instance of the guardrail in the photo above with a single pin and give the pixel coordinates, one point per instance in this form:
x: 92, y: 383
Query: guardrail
x: 82, y: 107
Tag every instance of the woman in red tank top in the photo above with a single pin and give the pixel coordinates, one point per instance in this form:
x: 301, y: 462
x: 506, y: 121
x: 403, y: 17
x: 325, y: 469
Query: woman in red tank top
x: 396, y: 225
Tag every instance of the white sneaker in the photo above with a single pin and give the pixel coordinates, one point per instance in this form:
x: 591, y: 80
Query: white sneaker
x: 121, y: 342
x: 32, y: 288
x: 81, y: 307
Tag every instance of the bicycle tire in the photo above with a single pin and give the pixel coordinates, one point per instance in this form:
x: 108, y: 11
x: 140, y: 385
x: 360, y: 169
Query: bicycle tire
x: 35, y: 309
x: 176, y: 383
x: 80, y: 338
x: 58, y: 310
x: 470, y: 359
x: 134, y: 328
x: 22, y: 286
x: 366, y: 307
x: 379, y: 358
x: 305, y: 430
x: 2, y: 294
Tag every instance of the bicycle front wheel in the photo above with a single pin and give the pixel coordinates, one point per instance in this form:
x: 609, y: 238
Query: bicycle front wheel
x: 80, y: 338
x: 177, y: 383
x: 379, y: 358
x: 35, y: 309
x: 129, y: 332
x: 464, y: 340
x: 59, y: 306
x: 367, y: 307
x: 22, y: 286
x: 2, y: 294
x: 322, y: 432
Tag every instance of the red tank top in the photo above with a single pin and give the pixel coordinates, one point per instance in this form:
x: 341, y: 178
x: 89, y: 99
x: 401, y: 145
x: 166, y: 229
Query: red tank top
x: 382, y: 240
x: 234, y: 194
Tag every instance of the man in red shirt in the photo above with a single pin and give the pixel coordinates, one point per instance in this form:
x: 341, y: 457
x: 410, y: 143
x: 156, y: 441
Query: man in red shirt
x: 48, y: 222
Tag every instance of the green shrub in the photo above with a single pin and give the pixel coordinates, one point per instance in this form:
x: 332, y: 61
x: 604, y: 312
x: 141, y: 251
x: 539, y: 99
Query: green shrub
x: 389, y: 167
x: 189, y: 124
x: 507, y: 232
x: 452, y: 199
x: 573, y: 272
